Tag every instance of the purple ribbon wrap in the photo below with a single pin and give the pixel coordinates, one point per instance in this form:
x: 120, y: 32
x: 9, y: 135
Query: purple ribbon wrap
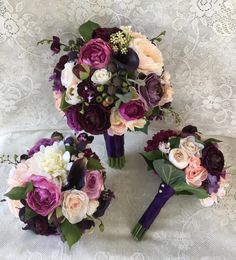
x: 165, y: 192
x: 114, y: 145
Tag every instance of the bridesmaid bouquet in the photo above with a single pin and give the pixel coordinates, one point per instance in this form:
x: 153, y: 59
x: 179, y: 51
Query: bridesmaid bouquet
x: 187, y: 163
x: 57, y: 188
x: 110, y: 81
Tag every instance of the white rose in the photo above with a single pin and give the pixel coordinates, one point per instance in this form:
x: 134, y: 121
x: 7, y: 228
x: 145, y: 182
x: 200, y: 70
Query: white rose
x: 68, y: 78
x: 191, y: 147
x: 72, y: 96
x: 75, y: 205
x: 92, y: 207
x: 101, y: 76
x: 179, y: 158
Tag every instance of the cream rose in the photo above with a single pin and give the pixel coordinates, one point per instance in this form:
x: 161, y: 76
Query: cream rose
x: 191, y: 147
x: 139, y: 123
x: 72, y: 96
x: 92, y: 207
x: 101, y: 76
x: 179, y: 158
x: 150, y: 57
x: 68, y: 78
x: 75, y: 205
x: 118, y: 125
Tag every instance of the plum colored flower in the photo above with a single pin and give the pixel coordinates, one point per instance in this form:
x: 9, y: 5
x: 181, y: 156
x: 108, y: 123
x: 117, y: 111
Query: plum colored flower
x: 42, y: 142
x: 95, y: 53
x: 195, y: 173
x: 104, y: 33
x: 56, y: 45
x: 189, y: 130
x: 45, y: 196
x: 128, y: 60
x: 152, y: 92
x: 104, y: 202
x: 93, y: 184
x: 213, y: 159
x: 72, y: 115
x: 132, y: 110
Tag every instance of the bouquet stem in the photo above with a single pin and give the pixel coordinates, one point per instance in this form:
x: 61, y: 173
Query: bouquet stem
x: 115, y: 150
x: 165, y: 192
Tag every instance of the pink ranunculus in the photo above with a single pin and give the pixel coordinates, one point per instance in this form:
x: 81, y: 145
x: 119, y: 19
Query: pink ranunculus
x: 195, y: 173
x: 93, y: 184
x: 45, y: 197
x: 132, y: 110
x: 95, y: 53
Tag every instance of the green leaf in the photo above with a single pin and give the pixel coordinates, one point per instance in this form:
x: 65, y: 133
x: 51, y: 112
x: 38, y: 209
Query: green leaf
x: 211, y: 141
x: 125, y: 98
x: 85, y: 73
x: 59, y: 212
x: 184, y: 188
x: 19, y: 193
x: 29, y: 213
x: 144, y: 129
x: 71, y: 233
x: 174, y: 142
x: 168, y: 173
x: 70, y: 149
x: 86, y: 29
x: 94, y: 164
x: 101, y: 227
x: 149, y: 157
x: 64, y: 105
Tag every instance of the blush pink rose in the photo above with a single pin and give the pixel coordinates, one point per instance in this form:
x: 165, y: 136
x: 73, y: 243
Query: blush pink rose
x: 57, y: 97
x: 195, y: 173
x: 95, y: 53
x: 93, y: 184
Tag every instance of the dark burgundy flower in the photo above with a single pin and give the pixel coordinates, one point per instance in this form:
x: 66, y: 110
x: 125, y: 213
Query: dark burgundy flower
x: 129, y: 60
x: 44, y: 141
x: 162, y: 136
x: 86, y: 224
x: 212, y: 159
x: 38, y: 224
x: 72, y: 115
x: 56, y: 136
x: 188, y: 130
x: 152, y: 92
x: 104, y: 202
x: 132, y: 110
x: 56, y: 45
x: 95, y: 119
x: 86, y: 91
x: 105, y: 33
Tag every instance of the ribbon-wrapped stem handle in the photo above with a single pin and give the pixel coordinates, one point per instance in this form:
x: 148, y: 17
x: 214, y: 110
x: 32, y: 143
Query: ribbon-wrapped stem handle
x: 165, y: 192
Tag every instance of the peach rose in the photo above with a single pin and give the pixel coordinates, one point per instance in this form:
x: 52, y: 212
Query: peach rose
x: 195, y: 173
x: 75, y: 205
x: 57, y: 99
x: 118, y: 125
x: 150, y: 57
x: 139, y: 123
x: 14, y: 206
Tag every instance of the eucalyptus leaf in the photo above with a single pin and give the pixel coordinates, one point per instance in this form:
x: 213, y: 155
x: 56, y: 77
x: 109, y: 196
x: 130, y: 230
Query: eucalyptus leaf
x: 125, y: 98
x: 86, y: 29
x: 29, y: 213
x: 183, y: 187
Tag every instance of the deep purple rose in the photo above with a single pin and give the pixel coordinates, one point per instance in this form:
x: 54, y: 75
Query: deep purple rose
x: 86, y: 91
x: 188, y: 130
x: 212, y: 159
x: 105, y: 33
x: 56, y: 45
x: 38, y: 224
x: 44, y: 197
x: 132, y: 110
x: 72, y: 118
x: 36, y: 148
x: 152, y: 92
x: 128, y: 61
x: 95, y: 53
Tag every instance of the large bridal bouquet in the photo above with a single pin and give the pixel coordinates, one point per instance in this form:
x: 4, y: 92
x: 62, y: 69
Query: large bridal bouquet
x: 58, y: 187
x: 187, y: 163
x: 110, y: 81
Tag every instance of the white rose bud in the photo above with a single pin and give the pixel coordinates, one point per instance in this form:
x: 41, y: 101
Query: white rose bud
x: 75, y: 205
x: 101, y: 76
x: 191, y: 147
x: 179, y: 158
x: 92, y: 207
x: 72, y: 96
x: 68, y: 78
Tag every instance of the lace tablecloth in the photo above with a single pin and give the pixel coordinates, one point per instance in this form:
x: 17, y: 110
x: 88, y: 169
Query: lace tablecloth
x: 199, y: 51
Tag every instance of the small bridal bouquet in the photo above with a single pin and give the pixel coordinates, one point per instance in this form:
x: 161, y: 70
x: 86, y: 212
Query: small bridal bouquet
x: 187, y: 163
x: 110, y: 81
x: 58, y: 187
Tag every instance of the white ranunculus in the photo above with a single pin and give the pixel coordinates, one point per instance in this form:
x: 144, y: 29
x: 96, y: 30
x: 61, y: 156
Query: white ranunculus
x: 179, y: 158
x: 191, y: 147
x: 68, y: 78
x: 101, y: 76
x: 72, y: 96
x: 92, y: 207
x: 75, y: 205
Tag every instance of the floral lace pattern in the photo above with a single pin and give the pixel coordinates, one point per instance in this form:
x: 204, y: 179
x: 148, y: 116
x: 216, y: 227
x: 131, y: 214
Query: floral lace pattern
x: 200, y: 52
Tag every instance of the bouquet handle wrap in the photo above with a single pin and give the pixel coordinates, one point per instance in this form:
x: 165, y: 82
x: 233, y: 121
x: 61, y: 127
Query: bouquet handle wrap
x: 165, y: 192
x: 115, y: 150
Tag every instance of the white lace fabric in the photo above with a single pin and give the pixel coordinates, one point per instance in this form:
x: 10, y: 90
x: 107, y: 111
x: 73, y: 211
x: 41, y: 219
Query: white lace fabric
x: 199, y: 51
